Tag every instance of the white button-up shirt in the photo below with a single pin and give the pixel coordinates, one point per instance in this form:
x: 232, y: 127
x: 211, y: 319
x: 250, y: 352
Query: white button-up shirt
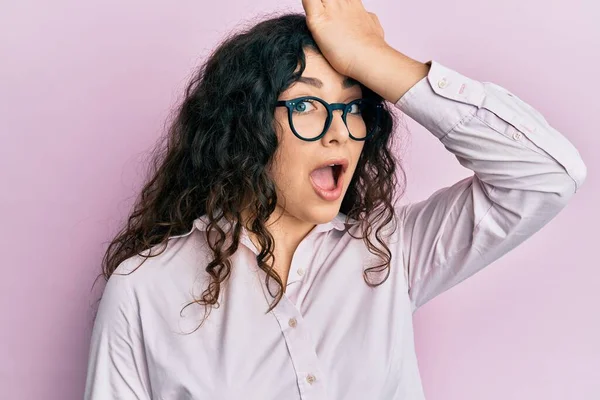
x: 332, y: 337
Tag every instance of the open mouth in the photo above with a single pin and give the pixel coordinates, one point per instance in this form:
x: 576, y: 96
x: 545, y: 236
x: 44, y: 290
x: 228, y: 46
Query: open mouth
x: 337, y: 172
x: 328, y: 180
x: 329, y: 176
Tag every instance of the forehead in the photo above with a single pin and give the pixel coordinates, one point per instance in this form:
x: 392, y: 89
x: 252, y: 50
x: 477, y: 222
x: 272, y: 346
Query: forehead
x: 319, y: 75
x: 315, y: 62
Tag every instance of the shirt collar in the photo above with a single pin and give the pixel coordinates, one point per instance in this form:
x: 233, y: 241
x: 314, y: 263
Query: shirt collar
x: 338, y: 222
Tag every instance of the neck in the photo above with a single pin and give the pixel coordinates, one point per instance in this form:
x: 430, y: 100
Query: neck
x: 287, y: 230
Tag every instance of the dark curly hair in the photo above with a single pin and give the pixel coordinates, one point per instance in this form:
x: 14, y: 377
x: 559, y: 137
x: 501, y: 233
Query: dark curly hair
x: 214, y: 159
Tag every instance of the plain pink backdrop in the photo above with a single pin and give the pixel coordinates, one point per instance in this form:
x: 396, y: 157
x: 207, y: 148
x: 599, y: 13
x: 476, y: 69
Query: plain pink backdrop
x: 85, y: 88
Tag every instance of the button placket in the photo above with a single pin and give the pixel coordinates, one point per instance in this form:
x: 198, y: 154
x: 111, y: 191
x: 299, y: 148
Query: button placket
x: 517, y: 135
x: 301, y: 349
x: 299, y: 257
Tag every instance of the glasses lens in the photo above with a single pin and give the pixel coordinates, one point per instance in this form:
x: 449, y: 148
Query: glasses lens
x: 309, y: 117
x: 362, y: 118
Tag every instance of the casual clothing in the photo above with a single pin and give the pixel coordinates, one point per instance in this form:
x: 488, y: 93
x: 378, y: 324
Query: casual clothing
x: 332, y: 337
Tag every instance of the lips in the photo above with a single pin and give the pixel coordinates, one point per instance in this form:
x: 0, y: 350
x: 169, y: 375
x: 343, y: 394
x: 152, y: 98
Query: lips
x: 340, y: 165
x: 327, y: 178
x: 328, y: 189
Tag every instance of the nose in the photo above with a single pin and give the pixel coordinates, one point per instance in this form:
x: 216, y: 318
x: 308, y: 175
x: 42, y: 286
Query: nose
x: 337, y: 129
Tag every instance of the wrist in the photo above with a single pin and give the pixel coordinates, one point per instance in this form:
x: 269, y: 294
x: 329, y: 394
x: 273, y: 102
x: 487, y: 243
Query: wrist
x: 388, y: 72
x: 370, y: 54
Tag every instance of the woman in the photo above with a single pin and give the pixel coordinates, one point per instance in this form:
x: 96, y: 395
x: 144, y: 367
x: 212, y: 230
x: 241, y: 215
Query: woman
x: 265, y: 259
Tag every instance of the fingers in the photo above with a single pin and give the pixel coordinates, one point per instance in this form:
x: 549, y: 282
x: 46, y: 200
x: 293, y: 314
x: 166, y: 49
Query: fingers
x: 312, y: 7
x: 377, y: 23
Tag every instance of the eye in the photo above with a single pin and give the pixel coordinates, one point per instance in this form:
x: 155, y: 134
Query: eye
x: 354, y: 108
x: 303, y: 106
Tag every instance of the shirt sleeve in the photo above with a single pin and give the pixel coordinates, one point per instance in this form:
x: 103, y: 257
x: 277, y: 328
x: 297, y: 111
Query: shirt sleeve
x: 525, y: 171
x: 116, y: 366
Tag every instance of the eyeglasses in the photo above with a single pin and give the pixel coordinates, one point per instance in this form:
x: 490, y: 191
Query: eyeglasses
x: 310, y: 117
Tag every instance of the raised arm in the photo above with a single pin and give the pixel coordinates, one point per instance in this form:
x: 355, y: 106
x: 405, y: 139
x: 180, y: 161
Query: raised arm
x: 525, y: 171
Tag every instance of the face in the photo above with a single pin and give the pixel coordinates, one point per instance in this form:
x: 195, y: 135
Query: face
x: 296, y: 159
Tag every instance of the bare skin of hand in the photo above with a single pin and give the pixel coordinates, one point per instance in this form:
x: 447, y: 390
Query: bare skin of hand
x: 352, y: 40
x: 344, y: 30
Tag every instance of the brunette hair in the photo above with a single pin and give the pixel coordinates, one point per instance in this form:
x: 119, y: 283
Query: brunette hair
x: 214, y: 159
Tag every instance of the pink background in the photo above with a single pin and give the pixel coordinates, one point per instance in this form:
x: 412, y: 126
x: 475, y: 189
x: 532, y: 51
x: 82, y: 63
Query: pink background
x: 85, y: 88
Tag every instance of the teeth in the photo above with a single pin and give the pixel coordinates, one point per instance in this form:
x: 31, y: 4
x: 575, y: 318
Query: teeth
x: 332, y: 165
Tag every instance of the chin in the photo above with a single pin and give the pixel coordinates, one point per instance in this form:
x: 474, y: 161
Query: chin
x: 321, y: 214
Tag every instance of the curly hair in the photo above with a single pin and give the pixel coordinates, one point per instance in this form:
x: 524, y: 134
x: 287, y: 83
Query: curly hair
x: 214, y: 159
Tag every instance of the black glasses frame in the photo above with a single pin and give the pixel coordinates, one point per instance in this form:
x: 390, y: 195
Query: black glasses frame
x: 345, y: 107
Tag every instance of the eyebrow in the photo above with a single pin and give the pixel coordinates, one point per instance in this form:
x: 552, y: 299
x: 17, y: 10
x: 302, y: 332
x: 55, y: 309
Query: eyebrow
x: 346, y: 84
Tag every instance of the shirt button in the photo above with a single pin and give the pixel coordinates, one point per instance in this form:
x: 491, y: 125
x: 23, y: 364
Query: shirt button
x: 517, y: 135
x: 442, y: 83
x: 310, y: 378
x: 300, y: 271
x: 292, y: 322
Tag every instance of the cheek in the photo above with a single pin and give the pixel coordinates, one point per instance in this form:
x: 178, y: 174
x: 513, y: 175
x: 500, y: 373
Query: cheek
x: 357, y: 151
x: 289, y: 164
x: 356, y: 154
x: 290, y: 157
